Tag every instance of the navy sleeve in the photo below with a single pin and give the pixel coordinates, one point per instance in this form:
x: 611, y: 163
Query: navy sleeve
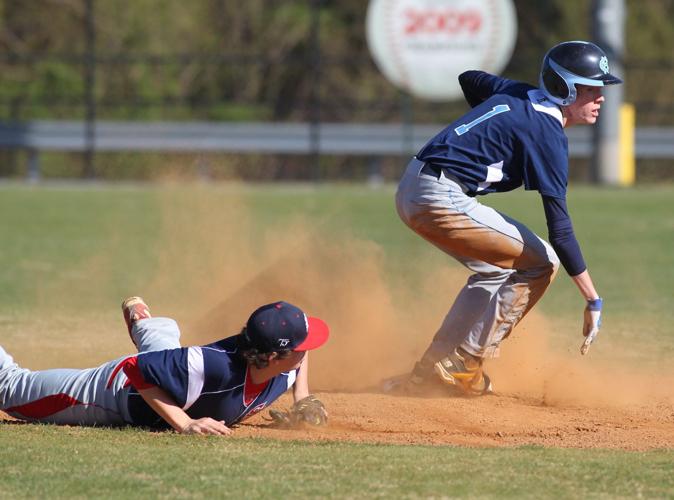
x: 478, y: 86
x: 167, y: 370
x: 562, y: 238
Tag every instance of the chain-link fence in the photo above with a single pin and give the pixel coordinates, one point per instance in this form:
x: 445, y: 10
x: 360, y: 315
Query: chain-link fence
x: 262, y: 61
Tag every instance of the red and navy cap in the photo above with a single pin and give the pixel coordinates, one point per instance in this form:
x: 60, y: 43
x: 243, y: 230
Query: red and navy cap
x: 281, y: 325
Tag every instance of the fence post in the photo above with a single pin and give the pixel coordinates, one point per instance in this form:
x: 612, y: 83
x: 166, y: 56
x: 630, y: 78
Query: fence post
x: 89, y: 88
x: 315, y: 99
x: 608, y: 17
x: 33, y: 174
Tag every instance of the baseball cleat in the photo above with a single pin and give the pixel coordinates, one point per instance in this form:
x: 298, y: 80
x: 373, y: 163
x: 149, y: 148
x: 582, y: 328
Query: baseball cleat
x: 403, y: 385
x: 464, y: 371
x: 420, y: 382
x: 134, y: 309
x: 408, y: 384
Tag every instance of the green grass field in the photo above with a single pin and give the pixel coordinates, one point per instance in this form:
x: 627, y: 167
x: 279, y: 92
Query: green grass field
x: 43, y: 461
x: 70, y: 253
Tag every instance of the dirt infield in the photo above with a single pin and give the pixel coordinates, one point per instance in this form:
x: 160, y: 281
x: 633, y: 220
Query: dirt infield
x: 487, y: 421
x: 491, y: 421
x: 546, y: 396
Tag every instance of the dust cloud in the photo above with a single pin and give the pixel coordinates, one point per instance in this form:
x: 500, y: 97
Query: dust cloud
x: 533, y: 366
x: 216, y: 260
x: 229, y: 264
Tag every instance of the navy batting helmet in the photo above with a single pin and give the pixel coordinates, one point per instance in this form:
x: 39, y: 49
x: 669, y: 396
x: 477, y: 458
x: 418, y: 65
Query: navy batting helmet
x: 570, y: 63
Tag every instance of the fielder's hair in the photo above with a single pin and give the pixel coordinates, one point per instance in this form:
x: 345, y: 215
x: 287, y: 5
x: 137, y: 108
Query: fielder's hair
x: 254, y: 356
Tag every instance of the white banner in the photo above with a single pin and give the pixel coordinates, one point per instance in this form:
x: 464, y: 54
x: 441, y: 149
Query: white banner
x: 421, y: 46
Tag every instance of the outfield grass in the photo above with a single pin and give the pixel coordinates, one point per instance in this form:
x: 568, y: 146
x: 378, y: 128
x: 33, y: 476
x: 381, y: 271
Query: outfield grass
x: 71, y: 251
x: 47, y: 461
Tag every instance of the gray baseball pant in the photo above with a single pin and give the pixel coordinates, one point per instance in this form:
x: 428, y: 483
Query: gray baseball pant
x: 94, y: 396
x: 512, y: 266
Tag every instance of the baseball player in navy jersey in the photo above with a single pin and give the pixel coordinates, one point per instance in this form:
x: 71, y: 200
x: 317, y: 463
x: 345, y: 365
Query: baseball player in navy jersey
x: 195, y: 390
x: 512, y: 136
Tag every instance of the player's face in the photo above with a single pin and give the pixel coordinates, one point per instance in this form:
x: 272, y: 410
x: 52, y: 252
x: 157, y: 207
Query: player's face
x: 585, y: 110
x: 292, y: 362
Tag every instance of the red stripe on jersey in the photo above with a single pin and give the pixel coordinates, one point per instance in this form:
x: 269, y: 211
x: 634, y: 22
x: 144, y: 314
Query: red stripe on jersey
x: 46, y: 406
x: 133, y: 373
x: 251, y: 390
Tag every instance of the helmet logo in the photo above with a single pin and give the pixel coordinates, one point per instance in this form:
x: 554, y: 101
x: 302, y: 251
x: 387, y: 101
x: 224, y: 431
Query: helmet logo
x: 603, y: 64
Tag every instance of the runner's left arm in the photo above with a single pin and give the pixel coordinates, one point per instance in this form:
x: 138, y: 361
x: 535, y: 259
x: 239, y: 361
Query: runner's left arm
x: 478, y: 86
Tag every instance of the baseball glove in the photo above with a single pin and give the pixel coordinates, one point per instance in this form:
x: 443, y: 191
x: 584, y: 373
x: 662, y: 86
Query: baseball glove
x: 308, y: 410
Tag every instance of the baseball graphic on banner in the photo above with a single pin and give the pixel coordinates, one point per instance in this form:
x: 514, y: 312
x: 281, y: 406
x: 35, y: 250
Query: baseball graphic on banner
x: 421, y: 46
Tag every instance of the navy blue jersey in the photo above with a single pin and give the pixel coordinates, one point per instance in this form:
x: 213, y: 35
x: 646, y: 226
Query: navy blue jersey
x: 207, y: 381
x: 513, y: 136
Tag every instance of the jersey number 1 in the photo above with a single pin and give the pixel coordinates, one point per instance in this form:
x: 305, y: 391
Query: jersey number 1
x: 501, y: 108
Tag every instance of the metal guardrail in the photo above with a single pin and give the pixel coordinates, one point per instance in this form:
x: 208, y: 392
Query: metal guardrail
x: 289, y: 138
x: 283, y: 138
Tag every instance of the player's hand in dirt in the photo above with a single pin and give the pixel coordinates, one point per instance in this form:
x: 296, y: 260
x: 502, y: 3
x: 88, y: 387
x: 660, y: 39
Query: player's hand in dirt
x: 207, y: 426
x: 591, y: 322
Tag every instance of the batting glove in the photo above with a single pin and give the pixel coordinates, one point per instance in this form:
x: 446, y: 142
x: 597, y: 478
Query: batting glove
x: 591, y: 322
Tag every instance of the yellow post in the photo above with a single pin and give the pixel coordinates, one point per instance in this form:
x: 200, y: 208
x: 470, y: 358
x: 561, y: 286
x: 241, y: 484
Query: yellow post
x: 627, y: 161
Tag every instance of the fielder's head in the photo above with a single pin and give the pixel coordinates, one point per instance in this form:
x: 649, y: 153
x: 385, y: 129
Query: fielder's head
x: 279, y: 329
x: 574, y: 63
